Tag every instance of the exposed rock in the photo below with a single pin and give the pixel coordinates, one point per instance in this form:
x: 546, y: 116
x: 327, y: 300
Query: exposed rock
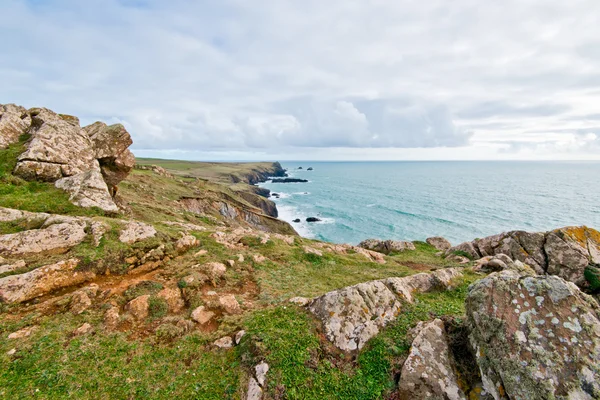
x: 427, y: 372
x: 353, y: 315
x: 135, y: 231
x: 11, y: 352
x: 254, y: 390
x: 536, y: 337
x: 238, y: 336
x: 83, y: 330
x: 12, y: 267
x: 58, y: 148
x: 80, y: 302
x: 202, y: 252
x: 259, y: 258
x: 111, y: 318
x: 310, y: 250
x: 386, y: 246
x: 312, y: 219
x: 14, y: 121
x: 224, y: 343
x: 230, y: 304
x: 98, y: 229
x: 155, y: 254
x: 88, y: 189
x: 43, y: 280
x: 300, y: 301
x: 55, y: 238
x: 186, y: 243
x: 297, y: 220
x: 185, y: 226
x: 467, y: 248
x: 201, y: 315
x: 565, y: 252
x: 439, y: 243
x: 231, y: 263
x: 240, y: 258
x: 173, y: 298
x: 139, y: 307
x: 20, y: 334
x: 261, y: 373
x: 457, y: 259
x: 215, y: 270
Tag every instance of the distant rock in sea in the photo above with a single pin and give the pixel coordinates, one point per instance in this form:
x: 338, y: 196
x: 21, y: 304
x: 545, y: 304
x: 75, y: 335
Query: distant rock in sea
x: 296, y: 220
x: 309, y: 169
x: 289, y: 180
x: 312, y: 219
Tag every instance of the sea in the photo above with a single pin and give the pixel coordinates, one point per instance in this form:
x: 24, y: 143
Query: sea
x: 458, y: 200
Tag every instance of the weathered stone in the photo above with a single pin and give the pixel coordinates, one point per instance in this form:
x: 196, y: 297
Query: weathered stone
x: 201, y: 315
x: 353, y: 315
x: 536, y: 337
x: 98, y: 229
x: 261, y: 373
x: 568, y: 255
x: 224, y: 343
x: 88, y: 189
x: 11, y: 267
x: 83, y: 329
x: 259, y: 258
x: 80, y: 302
x: 255, y: 392
x: 58, y: 148
x: 300, y: 301
x: 427, y: 372
x: 230, y: 304
x: 55, y: 238
x: 238, y: 336
x: 135, y: 231
x: 464, y: 248
x: 439, y: 243
x: 111, y: 318
x: 23, y: 333
x: 310, y: 250
x: 215, y: 270
x: 139, y: 307
x: 173, y: 298
x: 14, y: 121
x: 186, y: 243
x: 386, y: 246
x: 43, y: 280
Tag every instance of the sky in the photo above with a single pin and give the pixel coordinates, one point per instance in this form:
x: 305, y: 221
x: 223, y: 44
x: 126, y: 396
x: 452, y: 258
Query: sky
x: 316, y: 80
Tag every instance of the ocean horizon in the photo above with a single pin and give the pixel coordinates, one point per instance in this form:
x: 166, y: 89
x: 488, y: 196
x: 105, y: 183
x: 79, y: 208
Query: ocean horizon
x: 413, y: 200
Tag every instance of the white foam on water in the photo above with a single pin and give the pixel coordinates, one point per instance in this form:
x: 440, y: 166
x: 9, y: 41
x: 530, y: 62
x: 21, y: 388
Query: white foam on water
x: 290, y: 213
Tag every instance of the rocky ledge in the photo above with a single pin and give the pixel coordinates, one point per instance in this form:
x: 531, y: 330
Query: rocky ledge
x: 86, y: 162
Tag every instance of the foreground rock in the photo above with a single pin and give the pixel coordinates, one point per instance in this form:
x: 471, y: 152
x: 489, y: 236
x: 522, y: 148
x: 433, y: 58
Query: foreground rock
x: 56, y: 238
x: 88, y: 189
x: 43, y: 280
x: 565, y: 252
x: 439, y: 243
x: 427, y: 372
x: 535, y: 337
x: 386, y: 246
x: 353, y: 315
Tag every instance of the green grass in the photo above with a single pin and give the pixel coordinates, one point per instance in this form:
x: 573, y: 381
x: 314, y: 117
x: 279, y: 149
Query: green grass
x: 592, y: 276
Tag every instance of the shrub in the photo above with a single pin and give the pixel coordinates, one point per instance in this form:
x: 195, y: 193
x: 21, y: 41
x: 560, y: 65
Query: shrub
x: 142, y: 288
x: 157, y: 307
x: 592, y: 275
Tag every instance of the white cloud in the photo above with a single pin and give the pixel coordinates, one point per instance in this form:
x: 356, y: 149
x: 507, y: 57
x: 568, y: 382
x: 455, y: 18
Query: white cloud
x: 279, y: 77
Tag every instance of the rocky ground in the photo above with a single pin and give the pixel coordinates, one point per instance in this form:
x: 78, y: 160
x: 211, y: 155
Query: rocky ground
x: 125, y: 280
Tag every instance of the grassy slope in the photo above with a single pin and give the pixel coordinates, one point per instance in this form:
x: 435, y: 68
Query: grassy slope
x: 155, y: 360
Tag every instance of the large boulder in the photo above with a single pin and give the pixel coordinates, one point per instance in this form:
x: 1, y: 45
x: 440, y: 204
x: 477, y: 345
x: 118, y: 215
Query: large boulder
x: 535, y: 337
x: 58, y: 148
x: 88, y: 189
x: 428, y: 372
x: 354, y: 314
x: 439, y: 243
x: 41, y: 281
x: 14, y: 121
x: 56, y: 238
x: 565, y: 252
x: 386, y: 246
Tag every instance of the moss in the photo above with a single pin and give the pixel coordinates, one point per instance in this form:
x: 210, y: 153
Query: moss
x: 142, y: 288
x: 592, y: 276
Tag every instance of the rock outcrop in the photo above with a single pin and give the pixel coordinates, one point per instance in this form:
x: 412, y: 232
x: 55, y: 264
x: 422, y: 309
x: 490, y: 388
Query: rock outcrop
x: 565, y: 252
x: 56, y: 238
x: 386, y: 246
x: 87, y: 162
x: 353, y: 315
x: 428, y: 372
x: 439, y: 243
x: 43, y: 280
x: 535, y: 337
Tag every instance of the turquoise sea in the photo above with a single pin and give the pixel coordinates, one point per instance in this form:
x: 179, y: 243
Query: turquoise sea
x: 458, y: 200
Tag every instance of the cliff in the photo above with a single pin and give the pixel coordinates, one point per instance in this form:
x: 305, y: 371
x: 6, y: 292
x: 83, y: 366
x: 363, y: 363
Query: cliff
x: 192, y: 289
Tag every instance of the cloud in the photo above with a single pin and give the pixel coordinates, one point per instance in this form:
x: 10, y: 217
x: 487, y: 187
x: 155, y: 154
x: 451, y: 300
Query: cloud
x: 231, y: 76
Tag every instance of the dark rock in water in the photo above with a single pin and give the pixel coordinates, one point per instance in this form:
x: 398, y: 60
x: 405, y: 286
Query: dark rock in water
x: 276, y: 195
x: 312, y: 219
x: 296, y: 220
x: 309, y: 169
x: 299, y: 167
x: 305, y: 192
x: 289, y: 180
